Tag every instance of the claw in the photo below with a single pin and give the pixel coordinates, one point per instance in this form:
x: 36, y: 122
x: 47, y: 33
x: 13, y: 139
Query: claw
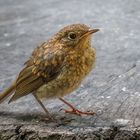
x: 74, y: 110
x: 78, y: 112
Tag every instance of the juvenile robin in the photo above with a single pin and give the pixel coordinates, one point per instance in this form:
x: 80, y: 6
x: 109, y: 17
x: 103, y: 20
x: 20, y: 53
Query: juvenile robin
x: 56, y: 67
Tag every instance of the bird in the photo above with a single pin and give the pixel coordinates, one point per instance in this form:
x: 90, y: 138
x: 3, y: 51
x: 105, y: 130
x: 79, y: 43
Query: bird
x: 56, y: 68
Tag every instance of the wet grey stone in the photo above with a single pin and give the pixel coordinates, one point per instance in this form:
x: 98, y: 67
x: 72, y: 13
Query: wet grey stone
x: 112, y: 89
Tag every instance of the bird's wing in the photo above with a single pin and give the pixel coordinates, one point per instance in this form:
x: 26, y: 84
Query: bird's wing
x: 42, y: 67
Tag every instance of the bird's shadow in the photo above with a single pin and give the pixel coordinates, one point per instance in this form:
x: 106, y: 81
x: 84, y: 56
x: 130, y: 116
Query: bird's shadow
x: 19, y: 116
x: 63, y: 119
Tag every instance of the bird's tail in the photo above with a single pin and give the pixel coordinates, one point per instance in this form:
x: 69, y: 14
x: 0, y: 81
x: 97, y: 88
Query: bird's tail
x: 5, y: 94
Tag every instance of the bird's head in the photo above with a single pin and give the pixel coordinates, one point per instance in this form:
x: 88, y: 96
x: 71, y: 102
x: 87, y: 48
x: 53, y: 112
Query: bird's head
x: 75, y: 35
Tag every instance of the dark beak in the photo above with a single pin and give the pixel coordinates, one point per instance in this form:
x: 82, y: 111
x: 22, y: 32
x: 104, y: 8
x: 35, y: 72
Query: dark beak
x: 89, y: 32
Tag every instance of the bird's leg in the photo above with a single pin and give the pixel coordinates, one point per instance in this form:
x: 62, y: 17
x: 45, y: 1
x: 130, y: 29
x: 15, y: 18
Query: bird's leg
x: 74, y: 110
x: 41, y: 104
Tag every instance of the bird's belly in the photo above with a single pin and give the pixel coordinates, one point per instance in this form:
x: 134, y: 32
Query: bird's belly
x: 58, y: 87
x: 63, y: 84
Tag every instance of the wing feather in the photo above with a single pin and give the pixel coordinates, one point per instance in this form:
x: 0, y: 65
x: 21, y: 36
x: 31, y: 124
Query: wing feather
x: 40, y: 69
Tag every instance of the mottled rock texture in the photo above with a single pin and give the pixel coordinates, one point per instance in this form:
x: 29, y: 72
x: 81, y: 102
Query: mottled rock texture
x: 112, y: 89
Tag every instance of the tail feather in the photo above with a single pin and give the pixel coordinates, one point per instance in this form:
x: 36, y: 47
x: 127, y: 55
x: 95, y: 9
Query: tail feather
x: 5, y: 94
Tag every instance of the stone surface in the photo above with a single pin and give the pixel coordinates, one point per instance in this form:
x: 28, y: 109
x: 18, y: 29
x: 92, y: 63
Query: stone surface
x: 112, y: 89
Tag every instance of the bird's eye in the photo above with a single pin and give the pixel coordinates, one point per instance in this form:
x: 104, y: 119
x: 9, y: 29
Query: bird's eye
x: 72, y: 36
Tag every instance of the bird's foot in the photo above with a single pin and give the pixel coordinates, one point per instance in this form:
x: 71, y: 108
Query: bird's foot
x: 78, y: 112
x: 74, y: 110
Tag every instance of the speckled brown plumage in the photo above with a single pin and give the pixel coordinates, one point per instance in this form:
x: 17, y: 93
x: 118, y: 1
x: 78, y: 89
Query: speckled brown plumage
x: 57, y: 66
